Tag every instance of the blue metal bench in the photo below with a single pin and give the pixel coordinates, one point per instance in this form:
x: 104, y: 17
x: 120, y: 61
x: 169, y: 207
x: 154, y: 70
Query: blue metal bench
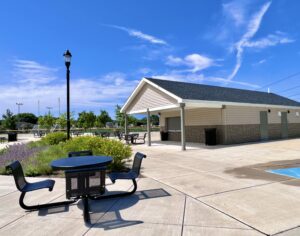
x: 132, y: 175
x: 80, y: 153
x: 23, y: 186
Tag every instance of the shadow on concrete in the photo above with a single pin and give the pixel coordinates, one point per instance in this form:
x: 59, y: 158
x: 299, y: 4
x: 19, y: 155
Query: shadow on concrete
x: 53, y: 210
x: 112, y: 219
x: 258, y: 171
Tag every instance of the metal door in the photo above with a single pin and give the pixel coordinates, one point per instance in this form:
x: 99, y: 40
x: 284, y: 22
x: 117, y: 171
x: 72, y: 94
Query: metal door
x: 264, y: 134
x: 284, y: 125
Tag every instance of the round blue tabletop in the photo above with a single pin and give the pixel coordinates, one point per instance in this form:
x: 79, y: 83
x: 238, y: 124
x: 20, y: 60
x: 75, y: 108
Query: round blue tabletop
x: 72, y: 163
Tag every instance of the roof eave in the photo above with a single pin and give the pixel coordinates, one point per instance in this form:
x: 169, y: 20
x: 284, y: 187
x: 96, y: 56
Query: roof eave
x: 216, y: 103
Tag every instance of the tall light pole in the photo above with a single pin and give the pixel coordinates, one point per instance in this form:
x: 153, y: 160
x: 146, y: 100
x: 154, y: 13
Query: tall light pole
x: 68, y: 57
x: 38, y: 108
x: 59, y: 106
x: 19, y: 104
x: 49, y: 110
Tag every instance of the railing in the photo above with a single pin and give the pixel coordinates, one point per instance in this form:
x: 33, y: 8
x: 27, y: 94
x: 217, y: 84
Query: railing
x: 90, y: 130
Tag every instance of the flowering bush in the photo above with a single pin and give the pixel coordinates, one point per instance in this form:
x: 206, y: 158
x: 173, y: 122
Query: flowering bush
x: 37, y: 156
x: 20, y: 152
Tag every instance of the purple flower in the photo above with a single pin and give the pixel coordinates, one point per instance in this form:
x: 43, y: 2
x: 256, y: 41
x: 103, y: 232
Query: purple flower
x: 18, y: 152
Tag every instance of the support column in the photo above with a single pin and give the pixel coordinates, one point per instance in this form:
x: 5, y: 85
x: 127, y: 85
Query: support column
x: 148, y: 127
x: 126, y: 123
x: 182, y: 119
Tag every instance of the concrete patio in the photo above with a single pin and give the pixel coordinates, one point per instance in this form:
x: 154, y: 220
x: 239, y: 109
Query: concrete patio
x: 222, y: 190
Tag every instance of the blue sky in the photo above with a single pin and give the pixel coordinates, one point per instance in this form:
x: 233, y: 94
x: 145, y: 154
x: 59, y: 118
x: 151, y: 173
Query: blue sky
x: 245, y: 44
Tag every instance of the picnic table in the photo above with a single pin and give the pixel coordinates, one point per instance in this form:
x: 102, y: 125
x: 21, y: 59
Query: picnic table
x: 130, y: 137
x: 85, y: 178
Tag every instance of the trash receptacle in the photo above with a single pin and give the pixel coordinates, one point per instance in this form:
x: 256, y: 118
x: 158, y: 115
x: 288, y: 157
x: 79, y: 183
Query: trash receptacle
x: 211, y: 136
x: 12, y: 137
x: 164, y: 136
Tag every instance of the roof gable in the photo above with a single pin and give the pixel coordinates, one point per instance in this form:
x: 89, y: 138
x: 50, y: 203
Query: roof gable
x: 149, y: 97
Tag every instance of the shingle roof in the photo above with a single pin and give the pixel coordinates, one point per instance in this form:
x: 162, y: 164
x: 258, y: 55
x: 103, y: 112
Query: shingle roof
x: 215, y: 93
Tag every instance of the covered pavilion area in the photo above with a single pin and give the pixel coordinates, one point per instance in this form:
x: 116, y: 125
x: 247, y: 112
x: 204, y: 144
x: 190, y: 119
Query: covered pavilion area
x: 199, y: 113
x: 148, y: 99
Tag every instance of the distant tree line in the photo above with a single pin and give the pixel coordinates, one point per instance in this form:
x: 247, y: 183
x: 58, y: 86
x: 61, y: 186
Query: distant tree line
x: 85, y: 120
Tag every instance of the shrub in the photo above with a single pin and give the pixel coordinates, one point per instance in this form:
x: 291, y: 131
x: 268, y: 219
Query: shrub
x: 102, y: 146
x: 39, y: 164
x: 37, y: 144
x: 36, y: 157
x: 54, y: 138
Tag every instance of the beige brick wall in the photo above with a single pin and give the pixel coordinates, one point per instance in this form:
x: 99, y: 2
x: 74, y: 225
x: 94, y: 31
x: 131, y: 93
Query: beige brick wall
x: 274, y: 131
x: 239, y: 124
x: 175, y: 136
x: 197, y: 133
x: 233, y: 134
x: 242, y: 133
x: 294, y: 130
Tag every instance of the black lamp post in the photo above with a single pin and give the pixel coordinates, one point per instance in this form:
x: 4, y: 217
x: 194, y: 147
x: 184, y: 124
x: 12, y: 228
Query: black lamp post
x: 68, y: 56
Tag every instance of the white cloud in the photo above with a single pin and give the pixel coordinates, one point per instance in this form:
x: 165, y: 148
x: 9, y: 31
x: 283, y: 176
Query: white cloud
x: 200, y: 78
x: 260, y: 62
x: 94, y: 94
x: 270, y: 40
x: 140, y: 35
x: 144, y: 71
x: 175, y: 61
x: 195, y: 61
x: 28, y: 71
x: 236, y: 11
x: 252, y: 28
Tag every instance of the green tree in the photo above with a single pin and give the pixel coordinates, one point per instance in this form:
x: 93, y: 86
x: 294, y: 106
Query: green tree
x: 26, y: 117
x: 120, y: 117
x: 103, y: 118
x: 46, y: 121
x: 86, y: 119
x: 62, y: 120
x: 154, y: 119
x: 142, y: 121
x: 9, y: 120
x: 132, y: 120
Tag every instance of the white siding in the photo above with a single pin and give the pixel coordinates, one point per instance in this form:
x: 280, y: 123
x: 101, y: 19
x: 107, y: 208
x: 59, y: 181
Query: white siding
x: 292, y: 118
x: 234, y: 115
x: 231, y: 115
x: 241, y: 115
x: 150, y: 97
x: 194, y: 117
x: 273, y: 117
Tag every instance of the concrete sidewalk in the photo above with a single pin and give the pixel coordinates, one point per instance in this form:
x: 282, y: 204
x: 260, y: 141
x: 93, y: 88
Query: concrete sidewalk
x: 155, y: 209
x: 222, y: 190
x: 22, y: 138
x: 232, y: 180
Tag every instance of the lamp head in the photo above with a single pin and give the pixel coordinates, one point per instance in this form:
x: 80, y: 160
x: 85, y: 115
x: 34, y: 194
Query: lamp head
x: 68, y: 57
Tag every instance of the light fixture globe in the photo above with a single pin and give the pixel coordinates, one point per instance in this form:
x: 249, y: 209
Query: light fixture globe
x: 68, y: 57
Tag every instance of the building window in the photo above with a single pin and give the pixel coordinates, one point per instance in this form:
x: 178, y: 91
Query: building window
x: 173, y: 124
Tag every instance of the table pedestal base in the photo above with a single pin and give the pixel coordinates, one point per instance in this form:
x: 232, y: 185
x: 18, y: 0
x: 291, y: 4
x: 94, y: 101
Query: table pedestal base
x: 86, y: 210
